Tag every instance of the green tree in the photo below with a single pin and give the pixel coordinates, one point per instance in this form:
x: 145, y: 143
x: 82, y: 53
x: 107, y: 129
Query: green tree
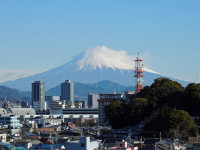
x: 115, y: 114
x: 158, y: 121
x: 119, y: 114
x: 144, y: 93
x: 161, y: 89
x: 170, y: 121
x: 137, y: 110
x: 181, y: 122
x: 192, y: 98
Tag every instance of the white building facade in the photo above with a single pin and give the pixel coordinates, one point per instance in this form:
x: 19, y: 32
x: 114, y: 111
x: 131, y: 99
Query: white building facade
x: 92, y: 100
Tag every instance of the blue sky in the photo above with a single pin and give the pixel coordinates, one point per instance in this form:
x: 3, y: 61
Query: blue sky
x: 42, y: 34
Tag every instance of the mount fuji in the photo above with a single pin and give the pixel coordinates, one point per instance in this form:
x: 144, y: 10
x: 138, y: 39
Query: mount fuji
x: 94, y: 65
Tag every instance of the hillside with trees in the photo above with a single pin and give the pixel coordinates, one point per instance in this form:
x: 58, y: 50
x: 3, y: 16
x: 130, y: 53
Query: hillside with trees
x: 166, y: 106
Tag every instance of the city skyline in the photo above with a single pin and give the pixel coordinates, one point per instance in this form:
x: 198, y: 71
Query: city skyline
x: 167, y: 33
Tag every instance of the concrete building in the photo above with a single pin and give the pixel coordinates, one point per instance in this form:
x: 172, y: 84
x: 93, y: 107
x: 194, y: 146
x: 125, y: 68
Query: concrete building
x: 104, y: 100
x: 56, y: 107
x: 129, y: 95
x: 84, y: 143
x: 67, y: 92
x: 77, y: 104
x: 51, y: 98
x: 80, y: 104
x: 92, y: 100
x: 38, y: 96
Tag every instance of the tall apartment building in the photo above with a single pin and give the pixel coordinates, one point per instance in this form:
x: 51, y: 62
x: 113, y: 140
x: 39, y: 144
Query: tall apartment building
x: 104, y: 100
x: 92, y: 100
x: 38, y: 96
x: 67, y: 92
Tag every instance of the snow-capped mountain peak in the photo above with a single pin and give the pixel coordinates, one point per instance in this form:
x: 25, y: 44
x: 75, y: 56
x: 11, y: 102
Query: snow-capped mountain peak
x: 102, y: 56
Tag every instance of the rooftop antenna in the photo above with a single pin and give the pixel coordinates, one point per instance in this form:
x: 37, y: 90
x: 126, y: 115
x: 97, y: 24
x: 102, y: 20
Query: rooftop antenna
x: 114, y: 92
x: 138, y: 73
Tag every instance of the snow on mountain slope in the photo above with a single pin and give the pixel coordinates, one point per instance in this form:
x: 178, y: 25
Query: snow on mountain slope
x: 92, y: 66
x: 102, y: 56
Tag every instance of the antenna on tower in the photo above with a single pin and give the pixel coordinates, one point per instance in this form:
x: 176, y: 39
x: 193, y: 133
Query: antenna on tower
x: 138, y: 73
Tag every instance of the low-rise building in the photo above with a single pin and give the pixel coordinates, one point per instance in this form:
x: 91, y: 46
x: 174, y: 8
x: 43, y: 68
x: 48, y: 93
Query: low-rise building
x: 80, y: 104
x: 47, y: 146
x: 9, y: 120
x: 123, y: 145
x: 51, y: 98
x: 45, y: 130
x: 56, y: 107
x: 92, y: 100
x: 129, y: 95
x: 23, y: 143
x: 81, y: 111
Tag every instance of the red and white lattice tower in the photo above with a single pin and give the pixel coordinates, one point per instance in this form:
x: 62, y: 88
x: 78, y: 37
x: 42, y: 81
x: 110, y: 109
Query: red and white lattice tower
x: 138, y: 73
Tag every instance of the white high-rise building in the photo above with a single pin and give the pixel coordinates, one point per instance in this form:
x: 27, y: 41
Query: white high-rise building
x: 38, y: 96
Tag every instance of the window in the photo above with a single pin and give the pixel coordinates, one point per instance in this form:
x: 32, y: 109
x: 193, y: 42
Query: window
x: 82, y: 144
x: 120, y: 145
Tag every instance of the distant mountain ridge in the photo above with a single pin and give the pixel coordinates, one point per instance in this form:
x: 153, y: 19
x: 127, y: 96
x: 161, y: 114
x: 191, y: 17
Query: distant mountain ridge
x: 94, y: 65
x: 13, y: 95
x: 81, y: 90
